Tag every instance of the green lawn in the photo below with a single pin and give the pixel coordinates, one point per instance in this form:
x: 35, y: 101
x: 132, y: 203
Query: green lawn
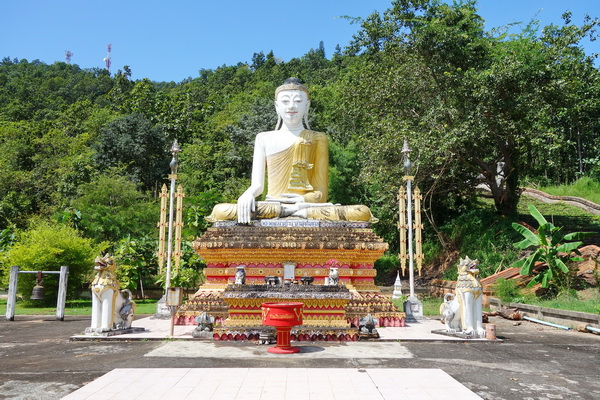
x: 585, y: 188
x: 74, y: 307
x: 431, y: 305
x: 572, y: 304
x: 570, y: 218
x: 590, y: 303
x: 585, y: 301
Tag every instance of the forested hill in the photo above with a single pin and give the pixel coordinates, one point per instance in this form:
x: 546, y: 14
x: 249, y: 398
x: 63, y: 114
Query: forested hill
x: 92, y: 150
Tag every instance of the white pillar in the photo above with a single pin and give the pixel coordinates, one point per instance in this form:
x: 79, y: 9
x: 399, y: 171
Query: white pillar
x: 62, y: 293
x: 12, y: 293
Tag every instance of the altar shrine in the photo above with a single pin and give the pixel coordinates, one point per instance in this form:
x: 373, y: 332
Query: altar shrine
x: 293, y: 245
x: 290, y: 251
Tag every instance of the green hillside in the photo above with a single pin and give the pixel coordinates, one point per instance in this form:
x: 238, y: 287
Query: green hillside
x: 89, y: 150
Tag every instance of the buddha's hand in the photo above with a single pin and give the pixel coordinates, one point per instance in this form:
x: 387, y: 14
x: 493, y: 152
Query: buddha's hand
x: 246, y: 205
x: 287, y: 198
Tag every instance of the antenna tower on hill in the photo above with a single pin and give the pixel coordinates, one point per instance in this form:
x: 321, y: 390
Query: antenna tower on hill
x: 107, y: 59
x: 68, y: 55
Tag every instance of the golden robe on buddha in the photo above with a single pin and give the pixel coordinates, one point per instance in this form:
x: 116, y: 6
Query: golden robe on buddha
x: 300, y: 169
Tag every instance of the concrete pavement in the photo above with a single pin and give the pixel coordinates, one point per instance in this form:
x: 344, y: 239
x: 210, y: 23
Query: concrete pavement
x: 39, y: 361
x: 159, y: 329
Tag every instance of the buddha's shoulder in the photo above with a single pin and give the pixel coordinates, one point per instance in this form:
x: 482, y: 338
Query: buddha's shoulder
x: 307, y: 133
x: 266, y: 134
x: 314, y: 135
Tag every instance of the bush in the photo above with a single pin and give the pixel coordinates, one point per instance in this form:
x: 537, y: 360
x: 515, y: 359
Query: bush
x: 386, y: 268
x: 550, y: 246
x: 484, y: 235
x: 190, y: 272
x: 111, y: 208
x: 585, y: 187
x: 507, y: 290
x: 46, y: 247
x: 136, y: 262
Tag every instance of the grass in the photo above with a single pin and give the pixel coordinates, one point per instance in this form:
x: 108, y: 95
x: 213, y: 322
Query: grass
x: 586, y: 188
x: 560, y: 214
x: 431, y: 305
x: 587, y: 301
x: 73, y: 307
x: 570, y: 303
x: 572, y: 219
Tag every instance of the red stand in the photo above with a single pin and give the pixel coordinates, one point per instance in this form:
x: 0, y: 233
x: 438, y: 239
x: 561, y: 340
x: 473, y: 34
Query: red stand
x: 283, y: 316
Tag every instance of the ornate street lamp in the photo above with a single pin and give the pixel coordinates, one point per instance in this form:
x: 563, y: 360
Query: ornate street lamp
x: 175, y: 149
x: 173, y: 250
x: 412, y: 306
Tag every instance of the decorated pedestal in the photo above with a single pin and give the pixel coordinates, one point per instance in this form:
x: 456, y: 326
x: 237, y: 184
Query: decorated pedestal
x: 283, y: 316
x: 323, y: 309
x: 296, y: 252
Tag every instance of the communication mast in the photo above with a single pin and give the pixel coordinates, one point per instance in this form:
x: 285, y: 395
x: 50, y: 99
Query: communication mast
x: 107, y: 59
x: 68, y: 56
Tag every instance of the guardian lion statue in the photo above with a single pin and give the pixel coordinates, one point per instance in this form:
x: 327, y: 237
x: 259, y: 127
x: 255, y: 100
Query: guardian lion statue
x: 461, y: 311
x: 110, y: 309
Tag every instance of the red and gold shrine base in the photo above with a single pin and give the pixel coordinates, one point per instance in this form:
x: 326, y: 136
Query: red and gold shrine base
x: 283, y: 316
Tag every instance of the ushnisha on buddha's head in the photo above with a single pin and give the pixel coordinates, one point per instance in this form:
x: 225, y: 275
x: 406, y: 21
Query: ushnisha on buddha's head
x: 292, y: 102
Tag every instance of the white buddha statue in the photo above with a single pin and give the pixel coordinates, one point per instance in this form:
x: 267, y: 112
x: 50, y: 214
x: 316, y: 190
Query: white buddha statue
x: 296, y: 162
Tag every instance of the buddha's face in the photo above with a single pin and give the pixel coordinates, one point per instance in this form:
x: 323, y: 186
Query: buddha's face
x: 292, y: 106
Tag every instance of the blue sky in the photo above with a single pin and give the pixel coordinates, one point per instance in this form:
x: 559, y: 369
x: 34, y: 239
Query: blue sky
x: 172, y: 40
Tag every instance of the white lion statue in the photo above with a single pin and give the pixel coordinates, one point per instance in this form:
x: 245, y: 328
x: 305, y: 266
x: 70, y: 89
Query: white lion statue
x: 461, y: 311
x: 110, y: 309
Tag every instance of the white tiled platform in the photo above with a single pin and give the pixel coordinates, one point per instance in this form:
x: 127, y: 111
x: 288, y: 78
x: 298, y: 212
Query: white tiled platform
x: 246, y: 350
x: 157, y: 329
x: 274, y: 384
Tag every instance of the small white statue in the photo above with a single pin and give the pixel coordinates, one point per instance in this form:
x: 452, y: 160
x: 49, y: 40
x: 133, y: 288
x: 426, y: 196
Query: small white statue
x: 334, y: 276
x: 110, y: 309
x: 240, y: 275
x: 367, y: 324
x: 461, y: 312
x: 205, y: 322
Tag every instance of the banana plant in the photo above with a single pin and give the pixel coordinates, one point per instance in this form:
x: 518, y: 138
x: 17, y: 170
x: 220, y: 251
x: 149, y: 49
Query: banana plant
x: 550, y: 246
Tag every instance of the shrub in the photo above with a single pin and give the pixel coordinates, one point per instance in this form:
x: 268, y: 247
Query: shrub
x: 507, y: 290
x: 190, y: 272
x: 484, y: 235
x: 47, y: 246
x: 386, y: 268
x: 136, y: 262
x: 550, y: 246
x: 111, y: 208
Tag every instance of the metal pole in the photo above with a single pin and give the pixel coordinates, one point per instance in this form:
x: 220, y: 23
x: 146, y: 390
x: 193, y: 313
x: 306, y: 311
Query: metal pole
x: 170, y: 235
x: 539, y: 321
x: 408, y: 178
x: 412, y: 306
x: 411, y: 272
x: 172, y: 310
x: 173, y: 177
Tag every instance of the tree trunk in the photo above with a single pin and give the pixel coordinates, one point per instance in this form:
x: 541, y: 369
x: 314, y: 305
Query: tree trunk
x: 502, y: 178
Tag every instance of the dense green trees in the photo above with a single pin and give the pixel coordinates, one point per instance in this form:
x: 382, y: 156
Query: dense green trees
x: 139, y: 148
x: 477, y: 106
x: 91, y: 150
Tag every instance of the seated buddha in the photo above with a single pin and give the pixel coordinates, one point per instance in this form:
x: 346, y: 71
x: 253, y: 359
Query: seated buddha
x: 296, y: 162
